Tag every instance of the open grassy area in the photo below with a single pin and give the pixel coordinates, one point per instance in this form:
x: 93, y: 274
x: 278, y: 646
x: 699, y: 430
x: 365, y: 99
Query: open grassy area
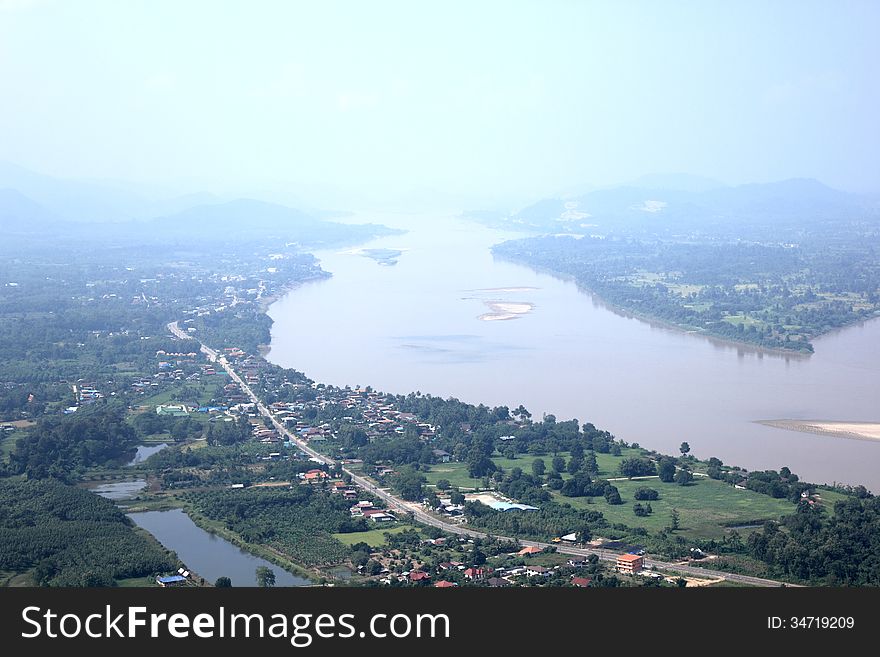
x: 136, y: 582
x: 7, y: 443
x: 457, y: 473
x: 373, y: 538
x: 207, y: 390
x: 704, y: 507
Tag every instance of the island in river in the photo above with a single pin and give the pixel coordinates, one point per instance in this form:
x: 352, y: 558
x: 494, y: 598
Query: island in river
x: 852, y: 430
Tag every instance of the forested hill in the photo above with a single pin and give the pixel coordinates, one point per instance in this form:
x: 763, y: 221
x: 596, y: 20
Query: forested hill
x: 66, y: 536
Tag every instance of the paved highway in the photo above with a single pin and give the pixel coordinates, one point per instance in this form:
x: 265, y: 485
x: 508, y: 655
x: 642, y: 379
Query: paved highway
x: 423, y: 516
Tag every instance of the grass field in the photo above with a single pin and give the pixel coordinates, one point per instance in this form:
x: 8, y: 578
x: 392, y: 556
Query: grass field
x: 704, y: 507
x: 207, y: 391
x: 136, y: 582
x: 7, y: 443
x: 373, y: 538
x: 457, y: 473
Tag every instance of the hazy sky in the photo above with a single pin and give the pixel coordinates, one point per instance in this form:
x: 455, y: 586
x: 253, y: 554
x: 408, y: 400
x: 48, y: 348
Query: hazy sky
x: 491, y: 98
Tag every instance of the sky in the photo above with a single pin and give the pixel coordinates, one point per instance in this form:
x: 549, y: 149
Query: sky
x: 483, y: 100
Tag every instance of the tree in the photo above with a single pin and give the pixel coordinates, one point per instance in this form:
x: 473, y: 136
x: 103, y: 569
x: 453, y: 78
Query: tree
x: 684, y: 449
x: 479, y: 464
x: 637, y: 467
x: 643, y: 493
x: 683, y: 477
x: 590, y: 463
x: 575, y: 464
x: 443, y: 484
x: 676, y: 520
x: 522, y: 413
x: 223, y: 583
x: 265, y: 577
x: 612, y: 495
x: 558, y: 464
x: 538, y: 467
x: 410, y: 483
x: 666, y: 469
x: 457, y: 497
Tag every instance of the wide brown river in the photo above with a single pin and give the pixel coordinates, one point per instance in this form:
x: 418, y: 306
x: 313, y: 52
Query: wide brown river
x: 434, y: 322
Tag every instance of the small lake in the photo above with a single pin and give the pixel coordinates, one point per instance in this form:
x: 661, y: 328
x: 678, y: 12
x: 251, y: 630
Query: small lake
x: 206, y: 554
x: 120, y: 490
x: 146, y: 451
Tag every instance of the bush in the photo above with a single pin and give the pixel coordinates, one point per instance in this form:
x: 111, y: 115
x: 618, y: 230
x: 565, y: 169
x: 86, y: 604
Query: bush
x: 644, y: 493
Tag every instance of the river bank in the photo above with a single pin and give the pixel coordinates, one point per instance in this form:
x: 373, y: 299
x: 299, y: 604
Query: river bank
x: 659, y: 322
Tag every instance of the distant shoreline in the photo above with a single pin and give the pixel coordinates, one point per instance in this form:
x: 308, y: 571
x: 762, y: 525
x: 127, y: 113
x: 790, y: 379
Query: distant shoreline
x: 665, y: 323
x: 869, y: 431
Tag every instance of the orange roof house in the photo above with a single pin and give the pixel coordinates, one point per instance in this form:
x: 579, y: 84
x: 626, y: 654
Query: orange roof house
x: 526, y: 551
x: 629, y: 563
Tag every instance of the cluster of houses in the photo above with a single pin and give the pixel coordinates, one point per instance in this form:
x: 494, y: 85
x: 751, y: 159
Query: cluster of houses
x: 492, y: 577
x: 88, y: 394
x: 366, y: 509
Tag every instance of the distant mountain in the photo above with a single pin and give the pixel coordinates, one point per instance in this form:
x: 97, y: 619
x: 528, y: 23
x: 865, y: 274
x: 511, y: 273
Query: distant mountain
x: 90, y: 201
x: 641, y: 208
x: 19, y: 214
x: 247, y: 220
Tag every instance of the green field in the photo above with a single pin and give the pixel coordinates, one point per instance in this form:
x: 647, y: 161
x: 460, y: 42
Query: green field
x: 7, y: 443
x: 457, y: 473
x: 373, y: 538
x: 136, y: 582
x: 206, y: 392
x: 704, y: 507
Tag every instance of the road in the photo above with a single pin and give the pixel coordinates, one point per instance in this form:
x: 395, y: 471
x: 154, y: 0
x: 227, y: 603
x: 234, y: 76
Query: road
x: 419, y: 513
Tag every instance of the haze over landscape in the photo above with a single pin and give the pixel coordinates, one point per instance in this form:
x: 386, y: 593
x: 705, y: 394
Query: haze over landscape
x: 569, y: 294
x: 464, y: 103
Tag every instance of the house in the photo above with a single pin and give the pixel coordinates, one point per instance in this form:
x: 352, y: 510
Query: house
x: 419, y: 576
x: 171, y: 580
x: 630, y: 563
x: 315, y: 475
x: 443, y: 584
x: 537, y: 571
x: 477, y: 573
x: 380, y: 516
x: 581, y: 582
x: 497, y: 582
x: 441, y: 455
x: 529, y: 551
x: 449, y: 565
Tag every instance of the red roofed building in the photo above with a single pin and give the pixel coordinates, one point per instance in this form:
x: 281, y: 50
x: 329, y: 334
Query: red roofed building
x: 419, y: 576
x: 477, y: 573
x: 629, y: 563
x: 443, y: 584
x: 527, y: 551
x: 582, y: 582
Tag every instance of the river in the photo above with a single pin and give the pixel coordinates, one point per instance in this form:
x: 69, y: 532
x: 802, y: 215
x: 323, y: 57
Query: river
x: 208, y: 555
x: 417, y: 325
